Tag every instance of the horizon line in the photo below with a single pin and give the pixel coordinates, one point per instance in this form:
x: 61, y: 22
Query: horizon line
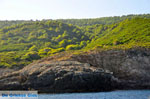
x: 71, y: 18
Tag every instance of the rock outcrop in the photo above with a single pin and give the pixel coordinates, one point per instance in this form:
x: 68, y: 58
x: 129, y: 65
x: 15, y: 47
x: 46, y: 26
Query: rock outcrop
x: 93, y: 71
x: 131, y: 66
x: 60, y: 76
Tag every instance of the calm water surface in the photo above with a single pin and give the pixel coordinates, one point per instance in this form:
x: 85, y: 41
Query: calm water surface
x: 129, y: 94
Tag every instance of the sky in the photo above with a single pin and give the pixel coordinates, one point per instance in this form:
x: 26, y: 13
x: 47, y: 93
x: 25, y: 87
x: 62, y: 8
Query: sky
x: 64, y: 9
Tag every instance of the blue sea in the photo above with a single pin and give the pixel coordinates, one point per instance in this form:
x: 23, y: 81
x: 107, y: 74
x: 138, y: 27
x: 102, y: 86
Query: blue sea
x: 125, y: 94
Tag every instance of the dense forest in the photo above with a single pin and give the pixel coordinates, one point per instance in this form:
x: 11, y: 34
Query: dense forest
x: 128, y: 33
x: 9, y: 23
x: 81, y: 22
x: 21, y: 42
x: 103, y: 20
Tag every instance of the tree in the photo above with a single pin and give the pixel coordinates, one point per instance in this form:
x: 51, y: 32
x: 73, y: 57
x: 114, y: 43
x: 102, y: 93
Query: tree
x: 53, y: 51
x: 116, y: 42
x: 57, y: 29
x: 65, y: 34
x: 48, y: 44
x: 33, y: 48
x: 82, y: 43
x: 31, y: 56
x: 21, y: 40
x: 72, y: 47
x: 63, y: 43
x: 44, y: 51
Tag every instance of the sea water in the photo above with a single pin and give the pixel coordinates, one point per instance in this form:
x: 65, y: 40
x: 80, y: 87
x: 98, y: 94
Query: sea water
x: 121, y: 94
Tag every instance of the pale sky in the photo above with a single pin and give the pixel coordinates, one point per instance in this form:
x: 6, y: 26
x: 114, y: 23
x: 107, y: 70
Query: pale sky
x: 56, y: 9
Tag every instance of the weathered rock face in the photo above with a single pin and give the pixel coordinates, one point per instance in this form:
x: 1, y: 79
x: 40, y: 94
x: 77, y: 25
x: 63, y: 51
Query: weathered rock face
x: 60, y: 76
x: 94, y: 71
x: 132, y: 65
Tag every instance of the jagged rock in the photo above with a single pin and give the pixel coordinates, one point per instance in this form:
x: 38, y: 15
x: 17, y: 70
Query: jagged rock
x: 59, y: 76
x: 93, y: 71
x: 131, y: 66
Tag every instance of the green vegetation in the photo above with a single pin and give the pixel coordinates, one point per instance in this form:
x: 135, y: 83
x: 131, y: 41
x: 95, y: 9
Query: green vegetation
x: 38, y: 39
x: 104, y: 20
x: 134, y: 32
x: 21, y: 43
x: 9, y: 23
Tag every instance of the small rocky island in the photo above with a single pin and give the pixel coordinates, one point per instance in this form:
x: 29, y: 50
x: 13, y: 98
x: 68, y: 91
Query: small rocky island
x: 94, y: 71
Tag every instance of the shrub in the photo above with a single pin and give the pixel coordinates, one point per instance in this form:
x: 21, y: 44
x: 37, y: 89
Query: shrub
x: 33, y: 48
x: 72, y: 47
x: 31, y: 56
x: 44, y: 51
x: 53, y: 51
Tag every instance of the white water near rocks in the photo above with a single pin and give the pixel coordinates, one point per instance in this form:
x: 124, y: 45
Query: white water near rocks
x: 121, y: 94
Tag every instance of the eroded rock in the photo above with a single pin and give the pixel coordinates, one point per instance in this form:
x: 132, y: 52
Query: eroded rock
x: 60, y: 76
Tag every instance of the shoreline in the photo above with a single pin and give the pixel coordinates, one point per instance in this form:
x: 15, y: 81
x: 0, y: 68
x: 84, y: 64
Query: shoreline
x: 91, y: 72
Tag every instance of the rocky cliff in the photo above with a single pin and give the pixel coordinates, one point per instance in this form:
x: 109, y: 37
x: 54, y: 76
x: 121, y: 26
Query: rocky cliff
x: 60, y: 76
x: 92, y: 71
x: 131, y: 66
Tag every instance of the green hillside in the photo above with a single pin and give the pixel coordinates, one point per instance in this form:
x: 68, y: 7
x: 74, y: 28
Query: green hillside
x: 103, y: 20
x: 10, y: 23
x: 22, y: 43
x: 134, y: 32
x: 30, y: 41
